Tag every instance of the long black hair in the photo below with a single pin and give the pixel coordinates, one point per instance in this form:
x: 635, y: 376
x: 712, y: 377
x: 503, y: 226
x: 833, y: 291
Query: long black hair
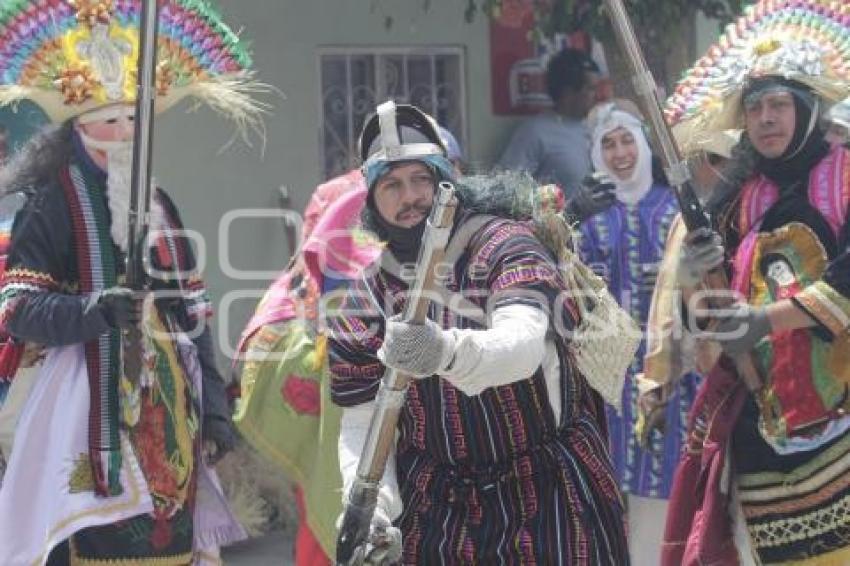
x: 39, y: 161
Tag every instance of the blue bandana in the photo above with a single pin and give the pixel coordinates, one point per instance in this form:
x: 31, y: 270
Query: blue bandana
x: 375, y: 169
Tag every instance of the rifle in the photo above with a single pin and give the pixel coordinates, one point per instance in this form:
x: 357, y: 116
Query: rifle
x: 679, y: 175
x: 140, y: 180
x: 363, y: 496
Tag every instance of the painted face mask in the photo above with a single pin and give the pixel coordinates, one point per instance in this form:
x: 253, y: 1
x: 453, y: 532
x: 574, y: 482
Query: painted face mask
x: 119, y: 159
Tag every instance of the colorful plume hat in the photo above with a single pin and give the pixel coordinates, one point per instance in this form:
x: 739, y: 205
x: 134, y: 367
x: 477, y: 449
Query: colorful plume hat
x: 803, y: 40
x: 72, y: 56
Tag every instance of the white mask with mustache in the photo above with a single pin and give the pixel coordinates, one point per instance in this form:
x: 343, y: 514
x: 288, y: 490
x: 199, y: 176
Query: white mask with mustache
x: 119, y: 160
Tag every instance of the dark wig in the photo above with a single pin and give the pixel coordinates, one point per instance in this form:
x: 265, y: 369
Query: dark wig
x: 39, y: 161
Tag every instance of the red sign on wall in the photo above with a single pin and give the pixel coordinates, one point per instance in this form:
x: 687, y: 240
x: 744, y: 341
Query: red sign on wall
x: 518, y: 62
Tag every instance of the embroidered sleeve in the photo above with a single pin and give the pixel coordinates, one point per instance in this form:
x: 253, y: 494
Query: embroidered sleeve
x: 32, y: 265
x: 827, y: 305
x: 828, y: 300
x: 35, y: 303
x: 518, y: 269
x: 355, y: 333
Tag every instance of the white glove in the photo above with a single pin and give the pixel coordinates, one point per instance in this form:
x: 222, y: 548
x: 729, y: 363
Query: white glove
x: 420, y: 350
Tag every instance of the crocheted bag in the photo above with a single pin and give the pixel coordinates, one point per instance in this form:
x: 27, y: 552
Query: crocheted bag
x: 606, y: 340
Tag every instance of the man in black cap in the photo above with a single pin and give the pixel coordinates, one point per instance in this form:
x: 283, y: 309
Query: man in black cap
x: 500, y: 456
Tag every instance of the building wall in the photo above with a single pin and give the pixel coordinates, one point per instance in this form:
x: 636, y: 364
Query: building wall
x: 208, y: 181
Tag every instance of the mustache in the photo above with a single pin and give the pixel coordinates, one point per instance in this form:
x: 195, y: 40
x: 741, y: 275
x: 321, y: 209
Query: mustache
x: 420, y: 206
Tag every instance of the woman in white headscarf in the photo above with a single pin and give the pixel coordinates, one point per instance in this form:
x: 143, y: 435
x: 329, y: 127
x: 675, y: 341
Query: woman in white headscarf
x: 624, y: 244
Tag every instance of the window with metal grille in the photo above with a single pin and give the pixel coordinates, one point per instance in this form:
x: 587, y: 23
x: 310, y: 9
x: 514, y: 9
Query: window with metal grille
x: 355, y: 80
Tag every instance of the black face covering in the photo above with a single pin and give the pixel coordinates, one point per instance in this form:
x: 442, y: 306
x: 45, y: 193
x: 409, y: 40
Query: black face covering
x: 404, y: 243
x: 791, y: 169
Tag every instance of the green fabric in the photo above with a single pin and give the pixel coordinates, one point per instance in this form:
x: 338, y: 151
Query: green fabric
x: 304, y: 445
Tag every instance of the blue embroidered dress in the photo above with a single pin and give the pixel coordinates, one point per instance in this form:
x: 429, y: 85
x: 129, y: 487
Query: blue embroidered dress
x: 623, y: 244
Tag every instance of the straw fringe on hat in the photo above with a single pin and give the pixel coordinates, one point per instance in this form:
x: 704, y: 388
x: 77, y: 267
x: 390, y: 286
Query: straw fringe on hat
x: 807, y: 41
x: 73, y: 56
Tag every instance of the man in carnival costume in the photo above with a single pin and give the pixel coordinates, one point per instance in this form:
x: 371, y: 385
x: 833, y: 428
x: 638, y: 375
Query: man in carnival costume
x: 500, y: 454
x: 673, y: 352
x: 624, y: 244
x: 771, y: 466
x: 104, y: 469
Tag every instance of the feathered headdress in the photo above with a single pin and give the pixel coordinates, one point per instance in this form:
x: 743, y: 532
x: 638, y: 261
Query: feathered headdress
x: 803, y: 40
x: 72, y: 56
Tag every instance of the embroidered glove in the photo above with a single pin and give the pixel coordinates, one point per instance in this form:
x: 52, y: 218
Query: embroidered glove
x: 594, y: 194
x: 702, y: 251
x: 741, y: 328
x: 121, y: 307
x: 419, y: 350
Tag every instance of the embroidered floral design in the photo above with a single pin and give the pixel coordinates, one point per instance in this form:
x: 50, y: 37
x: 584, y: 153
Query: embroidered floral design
x: 165, y: 77
x: 302, y: 394
x: 81, y: 479
x: 76, y: 84
x: 92, y: 12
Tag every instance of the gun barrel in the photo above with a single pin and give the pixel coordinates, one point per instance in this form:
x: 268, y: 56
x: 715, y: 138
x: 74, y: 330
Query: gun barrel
x: 677, y: 169
x: 360, y: 507
x: 140, y: 180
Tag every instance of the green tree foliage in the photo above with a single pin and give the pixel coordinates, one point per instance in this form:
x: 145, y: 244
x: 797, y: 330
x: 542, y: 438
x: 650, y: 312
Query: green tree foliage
x: 656, y: 20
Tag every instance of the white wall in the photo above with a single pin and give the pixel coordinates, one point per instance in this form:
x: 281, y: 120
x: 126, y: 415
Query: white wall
x: 285, y: 35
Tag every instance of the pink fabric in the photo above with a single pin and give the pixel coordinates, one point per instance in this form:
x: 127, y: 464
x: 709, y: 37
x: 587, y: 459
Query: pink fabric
x: 332, y: 249
x: 327, y: 241
x: 827, y: 193
x: 326, y: 193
